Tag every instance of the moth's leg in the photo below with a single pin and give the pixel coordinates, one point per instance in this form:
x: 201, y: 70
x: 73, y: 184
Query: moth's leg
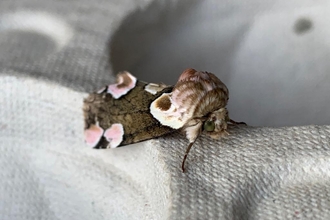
x: 185, y: 155
x: 193, y: 130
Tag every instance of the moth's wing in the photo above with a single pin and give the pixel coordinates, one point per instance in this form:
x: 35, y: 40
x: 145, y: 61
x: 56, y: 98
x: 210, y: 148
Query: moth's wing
x: 106, y: 116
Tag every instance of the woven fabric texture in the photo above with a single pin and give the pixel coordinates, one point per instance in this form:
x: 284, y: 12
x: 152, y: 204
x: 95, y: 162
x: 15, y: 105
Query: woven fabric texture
x: 49, y: 173
x: 53, y: 52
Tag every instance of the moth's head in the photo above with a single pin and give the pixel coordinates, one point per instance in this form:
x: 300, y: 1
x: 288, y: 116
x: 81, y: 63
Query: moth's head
x: 216, y: 123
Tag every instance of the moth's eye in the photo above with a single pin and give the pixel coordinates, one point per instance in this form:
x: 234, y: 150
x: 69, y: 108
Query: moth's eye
x: 209, y: 126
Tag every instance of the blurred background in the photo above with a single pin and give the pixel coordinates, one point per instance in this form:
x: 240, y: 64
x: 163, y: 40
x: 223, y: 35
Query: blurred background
x: 272, y: 55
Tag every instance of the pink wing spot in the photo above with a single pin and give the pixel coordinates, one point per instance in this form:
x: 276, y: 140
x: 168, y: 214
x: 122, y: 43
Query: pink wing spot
x: 125, y: 83
x: 101, y: 90
x: 114, y: 135
x: 93, y: 135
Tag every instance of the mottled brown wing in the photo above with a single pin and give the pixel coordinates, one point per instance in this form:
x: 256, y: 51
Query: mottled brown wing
x: 131, y: 110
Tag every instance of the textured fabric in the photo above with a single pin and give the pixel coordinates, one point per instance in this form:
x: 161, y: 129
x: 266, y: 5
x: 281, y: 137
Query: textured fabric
x: 48, y: 172
x: 53, y: 52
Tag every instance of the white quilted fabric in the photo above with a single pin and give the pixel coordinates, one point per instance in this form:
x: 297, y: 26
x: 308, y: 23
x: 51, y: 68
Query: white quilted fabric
x: 271, y: 54
x: 49, y: 173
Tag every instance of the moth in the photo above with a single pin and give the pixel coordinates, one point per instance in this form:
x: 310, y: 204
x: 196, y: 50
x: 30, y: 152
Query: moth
x: 131, y: 111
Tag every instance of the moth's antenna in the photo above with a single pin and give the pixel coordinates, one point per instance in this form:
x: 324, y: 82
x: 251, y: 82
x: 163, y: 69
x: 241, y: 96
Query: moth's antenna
x: 236, y: 123
x: 186, y: 154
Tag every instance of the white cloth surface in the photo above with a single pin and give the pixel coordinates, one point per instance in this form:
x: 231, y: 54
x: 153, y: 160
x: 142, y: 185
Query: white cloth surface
x: 49, y: 173
x: 53, y: 52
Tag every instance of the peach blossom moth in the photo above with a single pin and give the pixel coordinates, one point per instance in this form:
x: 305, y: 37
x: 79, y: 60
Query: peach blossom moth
x: 131, y: 111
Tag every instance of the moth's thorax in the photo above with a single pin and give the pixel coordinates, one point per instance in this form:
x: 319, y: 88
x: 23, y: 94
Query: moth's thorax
x: 196, y: 96
x: 199, y: 93
x: 201, y: 76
